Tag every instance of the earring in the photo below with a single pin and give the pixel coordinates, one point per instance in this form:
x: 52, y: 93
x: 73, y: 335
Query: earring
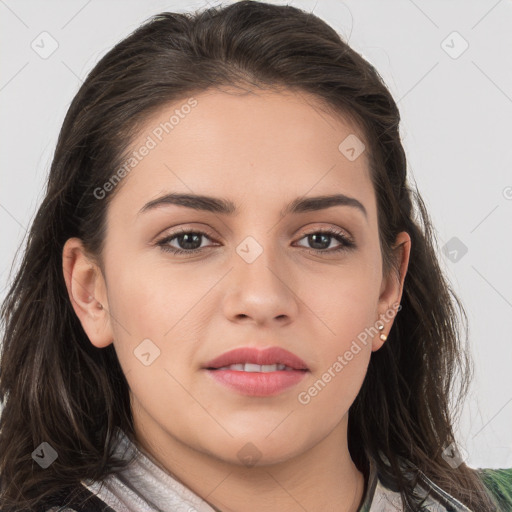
x: 383, y: 337
x: 100, y: 306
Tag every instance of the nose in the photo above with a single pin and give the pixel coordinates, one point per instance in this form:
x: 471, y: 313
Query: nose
x: 261, y: 289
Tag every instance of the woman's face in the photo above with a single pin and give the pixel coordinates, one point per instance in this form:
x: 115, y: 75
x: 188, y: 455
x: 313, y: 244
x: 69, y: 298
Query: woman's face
x: 260, y: 279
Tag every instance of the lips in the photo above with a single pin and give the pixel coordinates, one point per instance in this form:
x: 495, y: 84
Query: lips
x: 257, y: 373
x: 253, y: 356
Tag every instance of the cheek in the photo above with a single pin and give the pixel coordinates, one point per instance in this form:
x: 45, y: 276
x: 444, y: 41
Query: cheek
x: 345, y: 314
x: 157, y: 312
x: 328, y: 394
x: 155, y: 337
x: 149, y: 300
x: 136, y: 302
x: 139, y: 307
x: 344, y: 303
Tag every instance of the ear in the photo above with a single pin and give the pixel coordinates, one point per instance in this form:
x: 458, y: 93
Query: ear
x: 87, y: 291
x: 392, y: 288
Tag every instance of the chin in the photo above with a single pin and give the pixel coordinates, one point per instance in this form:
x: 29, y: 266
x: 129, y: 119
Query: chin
x: 257, y: 451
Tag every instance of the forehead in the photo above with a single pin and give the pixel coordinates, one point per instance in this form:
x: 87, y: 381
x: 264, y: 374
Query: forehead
x: 266, y: 145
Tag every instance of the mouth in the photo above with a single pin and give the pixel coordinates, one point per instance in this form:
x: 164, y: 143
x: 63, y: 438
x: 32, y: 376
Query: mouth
x: 252, y: 372
x: 251, y: 359
x: 251, y: 367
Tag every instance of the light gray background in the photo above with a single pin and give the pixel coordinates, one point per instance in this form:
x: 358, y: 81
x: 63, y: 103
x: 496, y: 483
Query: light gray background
x: 456, y: 129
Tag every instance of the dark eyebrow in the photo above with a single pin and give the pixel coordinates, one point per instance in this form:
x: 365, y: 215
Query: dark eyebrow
x: 310, y: 204
x: 218, y: 205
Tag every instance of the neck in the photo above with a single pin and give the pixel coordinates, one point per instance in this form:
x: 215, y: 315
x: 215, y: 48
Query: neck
x: 321, y: 478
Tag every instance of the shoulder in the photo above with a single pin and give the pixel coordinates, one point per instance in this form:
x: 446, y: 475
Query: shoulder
x: 74, y: 499
x: 499, y: 484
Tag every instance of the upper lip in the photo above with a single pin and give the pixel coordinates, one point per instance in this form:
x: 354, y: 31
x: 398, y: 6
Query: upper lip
x: 271, y: 355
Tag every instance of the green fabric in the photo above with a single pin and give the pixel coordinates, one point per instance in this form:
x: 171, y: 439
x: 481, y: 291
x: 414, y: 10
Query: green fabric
x: 499, y: 484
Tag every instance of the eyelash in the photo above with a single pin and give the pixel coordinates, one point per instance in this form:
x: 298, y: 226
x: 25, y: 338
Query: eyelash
x: 346, y: 243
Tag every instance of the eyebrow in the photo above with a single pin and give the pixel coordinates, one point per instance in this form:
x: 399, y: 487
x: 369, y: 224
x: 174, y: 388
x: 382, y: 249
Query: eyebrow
x: 225, y: 206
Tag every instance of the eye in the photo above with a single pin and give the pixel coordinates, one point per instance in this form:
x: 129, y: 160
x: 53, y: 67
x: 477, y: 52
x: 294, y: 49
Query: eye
x: 321, y: 240
x: 189, y: 242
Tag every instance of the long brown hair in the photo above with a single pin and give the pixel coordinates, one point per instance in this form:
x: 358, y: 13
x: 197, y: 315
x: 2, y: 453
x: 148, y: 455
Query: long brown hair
x: 57, y: 387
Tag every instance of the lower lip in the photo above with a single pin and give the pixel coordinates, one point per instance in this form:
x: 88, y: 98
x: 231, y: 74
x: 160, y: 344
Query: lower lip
x: 258, y: 383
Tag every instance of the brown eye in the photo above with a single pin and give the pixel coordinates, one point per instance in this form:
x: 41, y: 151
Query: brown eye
x: 189, y: 242
x: 321, y: 240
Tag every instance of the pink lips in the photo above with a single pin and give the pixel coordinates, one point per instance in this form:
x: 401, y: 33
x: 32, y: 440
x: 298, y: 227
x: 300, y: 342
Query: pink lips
x: 272, y: 355
x: 256, y: 383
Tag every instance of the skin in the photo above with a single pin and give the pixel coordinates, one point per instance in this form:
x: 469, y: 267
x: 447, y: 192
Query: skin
x: 260, y: 150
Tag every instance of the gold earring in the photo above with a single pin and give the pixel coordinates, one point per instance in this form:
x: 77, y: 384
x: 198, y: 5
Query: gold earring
x: 383, y: 337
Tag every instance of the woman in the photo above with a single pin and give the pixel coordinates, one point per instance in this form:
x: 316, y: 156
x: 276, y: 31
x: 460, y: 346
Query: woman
x: 227, y: 301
